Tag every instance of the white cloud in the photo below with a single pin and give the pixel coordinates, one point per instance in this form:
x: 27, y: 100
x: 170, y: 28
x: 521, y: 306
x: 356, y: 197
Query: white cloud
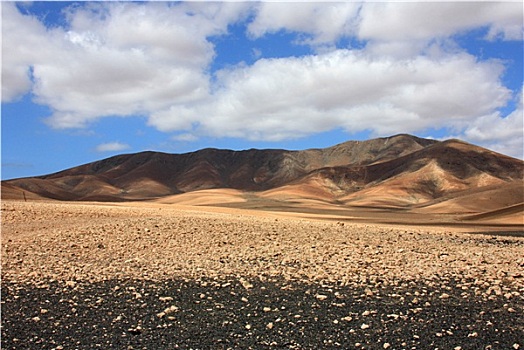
x: 152, y: 60
x: 114, y: 58
x: 284, y: 98
x: 112, y: 147
x: 185, y: 137
x: 387, y: 23
x: 323, y: 22
x: 404, y: 29
x: 498, y: 133
x: 396, y: 21
x: 21, y: 44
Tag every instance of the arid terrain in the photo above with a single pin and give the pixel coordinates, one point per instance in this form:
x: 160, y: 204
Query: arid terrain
x: 155, y: 275
x: 398, y: 172
x: 391, y: 243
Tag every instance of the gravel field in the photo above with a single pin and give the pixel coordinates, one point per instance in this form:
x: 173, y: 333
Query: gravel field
x: 87, y: 276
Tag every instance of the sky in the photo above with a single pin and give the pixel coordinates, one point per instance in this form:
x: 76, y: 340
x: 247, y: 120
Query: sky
x: 83, y: 81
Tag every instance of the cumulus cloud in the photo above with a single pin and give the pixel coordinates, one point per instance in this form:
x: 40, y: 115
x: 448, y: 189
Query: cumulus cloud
x: 284, y: 98
x: 153, y: 59
x: 499, y: 133
x: 113, y: 58
x: 395, y: 21
x: 324, y: 23
x: 185, y: 137
x: 112, y: 147
x: 388, y: 28
x: 21, y: 44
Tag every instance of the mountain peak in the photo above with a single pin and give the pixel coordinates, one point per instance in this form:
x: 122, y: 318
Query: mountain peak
x: 346, y: 170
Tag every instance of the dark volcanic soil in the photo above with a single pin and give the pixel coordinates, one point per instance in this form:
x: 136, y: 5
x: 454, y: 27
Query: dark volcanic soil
x: 223, y: 314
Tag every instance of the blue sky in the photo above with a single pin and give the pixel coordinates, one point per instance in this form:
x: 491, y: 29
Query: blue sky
x: 82, y: 81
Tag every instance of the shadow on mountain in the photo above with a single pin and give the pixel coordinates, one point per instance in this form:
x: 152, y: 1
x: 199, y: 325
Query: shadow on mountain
x: 396, y: 174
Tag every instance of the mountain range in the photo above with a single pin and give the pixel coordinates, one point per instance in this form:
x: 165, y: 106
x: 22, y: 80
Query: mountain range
x: 400, y: 171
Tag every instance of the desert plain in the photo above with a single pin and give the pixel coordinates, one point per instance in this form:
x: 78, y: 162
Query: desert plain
x: 155, y: 275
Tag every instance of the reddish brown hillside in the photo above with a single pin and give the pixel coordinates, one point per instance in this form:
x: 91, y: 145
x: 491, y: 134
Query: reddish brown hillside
x: 397, y: 170
x: 436, y: 171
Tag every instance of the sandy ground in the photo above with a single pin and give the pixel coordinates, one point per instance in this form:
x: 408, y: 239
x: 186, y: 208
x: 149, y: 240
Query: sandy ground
x: 59, y: 241
x: 48, y: 245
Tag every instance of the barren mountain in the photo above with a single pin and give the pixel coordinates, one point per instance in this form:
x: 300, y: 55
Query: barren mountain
x: 434, y: 172
x: 401, y: 171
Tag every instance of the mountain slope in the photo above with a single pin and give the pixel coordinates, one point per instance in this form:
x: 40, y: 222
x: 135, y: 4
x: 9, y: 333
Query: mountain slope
x: 434, y: 172
x: 398, y: 171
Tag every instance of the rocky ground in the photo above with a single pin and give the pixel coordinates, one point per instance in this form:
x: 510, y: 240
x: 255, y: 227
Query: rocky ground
x: 81, y: 276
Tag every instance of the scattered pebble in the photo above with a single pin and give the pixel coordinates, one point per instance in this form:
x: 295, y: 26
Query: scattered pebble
x: 382, y: 276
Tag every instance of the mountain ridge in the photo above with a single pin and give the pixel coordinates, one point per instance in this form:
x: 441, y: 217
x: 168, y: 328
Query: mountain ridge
x: 400, y: 170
